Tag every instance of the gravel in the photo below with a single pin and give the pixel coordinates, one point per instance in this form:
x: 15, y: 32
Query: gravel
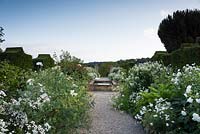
x: 107, y: 120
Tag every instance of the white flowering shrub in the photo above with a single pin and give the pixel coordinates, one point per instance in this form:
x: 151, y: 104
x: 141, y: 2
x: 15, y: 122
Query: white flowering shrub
x: 92, y: 73
x: 117, y: 74
x: 12, y: 78
x: 48, y: 102
x: 70, y: 102
x: 139, y: 78
x: 168, y: 104
x: 25, y: 114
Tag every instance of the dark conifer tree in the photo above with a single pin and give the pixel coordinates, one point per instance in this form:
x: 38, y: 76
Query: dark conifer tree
x: 181, y: 27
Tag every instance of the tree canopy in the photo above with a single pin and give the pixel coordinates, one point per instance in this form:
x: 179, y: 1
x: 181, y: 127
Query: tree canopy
x: 1, y: 35
x: 181, y: 27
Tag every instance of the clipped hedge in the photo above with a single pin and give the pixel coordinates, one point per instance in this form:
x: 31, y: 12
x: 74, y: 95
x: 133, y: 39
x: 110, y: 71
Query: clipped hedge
x: 183, y: 45
x: 162, y: 56
x: 17, y: 57
x: 189, y: 53
x: 46, y: 60
x: 186, y: 55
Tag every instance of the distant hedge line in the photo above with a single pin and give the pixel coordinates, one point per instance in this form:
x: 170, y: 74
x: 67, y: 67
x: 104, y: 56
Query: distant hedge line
x: 189, y: 53
x: 17, y: 57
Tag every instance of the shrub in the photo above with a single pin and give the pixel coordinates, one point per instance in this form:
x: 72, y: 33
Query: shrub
x: 186, y: 55
x: 70, y: 102
x: 170, y: 103
x: 182, y: 26
x: 92, y: 73
x: 12, y: 78
x: 45, y: 60
x: 126, y: 64
x: 139, y: 78
x: 17, y: 57
x: 116, y: 74
x: 104, y: 68
x: 50, y: 102
x: 162, y: 56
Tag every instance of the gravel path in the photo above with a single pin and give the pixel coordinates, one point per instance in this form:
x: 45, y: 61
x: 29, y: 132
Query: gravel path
x: 107, y: 120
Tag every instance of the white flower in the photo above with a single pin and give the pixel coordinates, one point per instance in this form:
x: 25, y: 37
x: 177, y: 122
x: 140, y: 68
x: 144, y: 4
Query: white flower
x: 45, y: 97
x: 185, y: 95
x: 142, y: 112
x: 150, y: 104
x: 39, y: 64
x: 190, y: 100
x: 178, y: 74
x: 30, y: 81
x: 188, y: 89
x: 40, y: 84
x: 73, y: 93
x: 144, y: 108
x: 183, y: 113
x: 138, y: 117
x: 167, y: 124
x: 2, y: 93
x: 151, y: 124
x: 198, y: 101
x: 47, y: 126
x: 195, y: 117
x: 155, y: 115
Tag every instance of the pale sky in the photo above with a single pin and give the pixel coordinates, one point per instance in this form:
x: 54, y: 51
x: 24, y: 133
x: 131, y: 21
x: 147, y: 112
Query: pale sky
x: 93, y: 30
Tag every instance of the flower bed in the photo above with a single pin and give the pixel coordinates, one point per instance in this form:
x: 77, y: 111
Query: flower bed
x: 48, y: 101
x: 163, y: 100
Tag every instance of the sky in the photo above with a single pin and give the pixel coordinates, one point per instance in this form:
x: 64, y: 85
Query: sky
x: 93, y: 30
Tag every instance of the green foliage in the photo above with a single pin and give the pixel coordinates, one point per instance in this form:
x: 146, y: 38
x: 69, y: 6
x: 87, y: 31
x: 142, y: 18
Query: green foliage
x: 12, y: 78
x: 104, y: 68
x: 181, y: 27
x: 1, y: 35
x: 162, y: 56
x: 17, y: 57
x: 116, y: 74
x: 48, y: 102
x: 72, y: 66
x: 45, y: 59
x: 66, y: 57
x: 69, y: 100
x: 126, y: 64
x: 139, y: 78
x: 189, y: 53
x: 186, y: 55
x: 92, y: 73
x: 170, y: 104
